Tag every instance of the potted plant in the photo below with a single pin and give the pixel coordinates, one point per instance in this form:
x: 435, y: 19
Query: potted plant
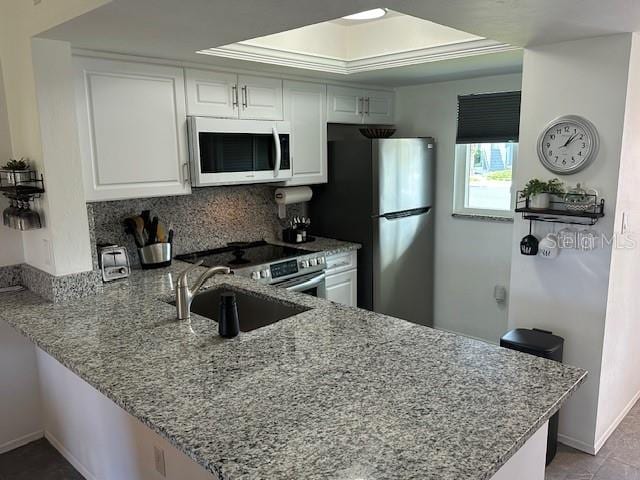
x: 15, y: 172
x: 538, y: 193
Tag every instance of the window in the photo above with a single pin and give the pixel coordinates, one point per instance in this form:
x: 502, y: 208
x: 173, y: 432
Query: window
x: 486, y: 149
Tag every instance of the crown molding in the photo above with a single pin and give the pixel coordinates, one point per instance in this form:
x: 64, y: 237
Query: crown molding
x: 287, y: 58
x: 273, y: 56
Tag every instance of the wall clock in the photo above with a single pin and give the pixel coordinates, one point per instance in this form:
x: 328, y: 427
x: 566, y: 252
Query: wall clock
x: 568, y: 144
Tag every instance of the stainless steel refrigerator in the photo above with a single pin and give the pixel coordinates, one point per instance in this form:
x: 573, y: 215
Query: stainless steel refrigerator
x: 380, y: 193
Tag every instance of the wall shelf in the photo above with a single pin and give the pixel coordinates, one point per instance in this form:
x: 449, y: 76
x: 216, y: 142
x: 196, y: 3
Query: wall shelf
x: 563, y: 211
x: 23, y: 185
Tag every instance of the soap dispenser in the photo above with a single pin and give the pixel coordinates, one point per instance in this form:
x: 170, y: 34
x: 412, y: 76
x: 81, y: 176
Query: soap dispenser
x: 228, y: 323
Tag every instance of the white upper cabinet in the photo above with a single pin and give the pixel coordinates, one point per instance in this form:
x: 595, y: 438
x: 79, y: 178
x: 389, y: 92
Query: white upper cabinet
x: 260, y: 97
x: 305, y: 109
x: 228, y: 95
x: 344, y: 105
x: 378, y: 107
x: 355, y: 105
x: 132, y: 129
x: 212, y: 94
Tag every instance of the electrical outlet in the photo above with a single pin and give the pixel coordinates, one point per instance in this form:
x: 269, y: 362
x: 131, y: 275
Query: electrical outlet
x: 158, y: 457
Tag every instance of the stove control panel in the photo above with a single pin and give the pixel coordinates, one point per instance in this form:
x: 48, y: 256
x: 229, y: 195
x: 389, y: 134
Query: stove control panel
x: 288, y: 268
x: 283, y: 269
x: 312, y: 262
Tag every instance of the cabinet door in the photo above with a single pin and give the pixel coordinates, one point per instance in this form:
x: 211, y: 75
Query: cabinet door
x: 305, y: 108
x: 344, y: 104
x: 378, y: 107
x: 343, y: 288
x: 260, y: 97
x: 212, y: 94
x: 132, y: 128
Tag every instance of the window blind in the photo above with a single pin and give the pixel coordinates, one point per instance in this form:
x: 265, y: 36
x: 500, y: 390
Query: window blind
x: 489, y: 117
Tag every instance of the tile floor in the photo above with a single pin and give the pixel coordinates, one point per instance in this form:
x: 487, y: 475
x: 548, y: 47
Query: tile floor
x: 619, y: 458
x: 36, y: 461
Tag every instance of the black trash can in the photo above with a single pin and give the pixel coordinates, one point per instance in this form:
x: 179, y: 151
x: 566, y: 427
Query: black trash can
x: 540, y: 343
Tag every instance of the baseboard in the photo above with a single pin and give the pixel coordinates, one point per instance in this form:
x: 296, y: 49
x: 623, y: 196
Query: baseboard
x: 19, y: 442
x: 612, y: 428
x: 577, y: 444
x: 70, y: 458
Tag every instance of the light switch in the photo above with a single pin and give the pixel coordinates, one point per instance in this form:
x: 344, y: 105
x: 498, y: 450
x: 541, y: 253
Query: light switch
x: 624, y: 227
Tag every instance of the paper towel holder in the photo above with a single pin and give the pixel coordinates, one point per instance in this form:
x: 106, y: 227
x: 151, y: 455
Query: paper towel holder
x: 290, y: 195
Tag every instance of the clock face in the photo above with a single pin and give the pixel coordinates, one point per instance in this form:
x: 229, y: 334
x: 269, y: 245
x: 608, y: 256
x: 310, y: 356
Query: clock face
x: 568, y: 145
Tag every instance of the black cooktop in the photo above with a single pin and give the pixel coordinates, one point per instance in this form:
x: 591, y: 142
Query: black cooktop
x: 242, y: 254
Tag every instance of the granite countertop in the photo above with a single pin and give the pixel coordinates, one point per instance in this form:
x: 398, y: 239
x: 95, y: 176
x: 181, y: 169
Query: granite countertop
x: 331, y: 393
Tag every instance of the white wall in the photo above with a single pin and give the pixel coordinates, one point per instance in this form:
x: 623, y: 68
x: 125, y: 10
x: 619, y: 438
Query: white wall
x: 620, y: 378
x: 568, y: 295
x: 11, y: 240
x: 101, y: 440
x: 20, y: 419
x: 471, y: 256
x: 19, y: 21
x: 67, y: 220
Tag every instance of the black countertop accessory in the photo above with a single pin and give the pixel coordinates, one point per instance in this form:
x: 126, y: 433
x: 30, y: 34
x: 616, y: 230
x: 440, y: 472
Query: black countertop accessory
x: 228, y: 322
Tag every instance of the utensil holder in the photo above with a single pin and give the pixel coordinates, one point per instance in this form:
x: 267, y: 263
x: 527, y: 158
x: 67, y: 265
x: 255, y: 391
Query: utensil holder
x: 156, y: 255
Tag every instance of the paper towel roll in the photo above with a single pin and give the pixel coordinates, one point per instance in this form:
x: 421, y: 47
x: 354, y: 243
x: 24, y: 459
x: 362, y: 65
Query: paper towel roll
x: 289, y: 195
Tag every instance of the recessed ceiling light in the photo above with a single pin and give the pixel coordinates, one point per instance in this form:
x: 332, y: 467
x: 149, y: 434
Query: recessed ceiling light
x: 367, y: 14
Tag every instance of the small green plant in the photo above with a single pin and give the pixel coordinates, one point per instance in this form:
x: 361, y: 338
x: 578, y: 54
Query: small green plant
x: 535, y: 187
x: 13, y: 164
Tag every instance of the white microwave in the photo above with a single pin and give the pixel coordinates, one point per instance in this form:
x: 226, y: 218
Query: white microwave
x: 227, y: 151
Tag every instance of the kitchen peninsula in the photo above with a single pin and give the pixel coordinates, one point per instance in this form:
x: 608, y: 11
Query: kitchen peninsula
x: 333, y: 392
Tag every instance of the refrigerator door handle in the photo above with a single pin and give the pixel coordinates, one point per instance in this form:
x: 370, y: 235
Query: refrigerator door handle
x: 406, y: 213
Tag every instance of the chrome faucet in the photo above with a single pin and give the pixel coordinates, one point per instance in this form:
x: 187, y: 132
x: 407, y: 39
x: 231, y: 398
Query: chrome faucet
x: 184, y: 294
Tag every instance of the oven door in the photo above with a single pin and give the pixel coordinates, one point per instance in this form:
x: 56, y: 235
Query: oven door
x: 311, y: 284
x: 224, y: 152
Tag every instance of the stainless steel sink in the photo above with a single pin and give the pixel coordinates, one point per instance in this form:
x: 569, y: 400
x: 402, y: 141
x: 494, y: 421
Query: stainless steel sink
x: 254, y: 311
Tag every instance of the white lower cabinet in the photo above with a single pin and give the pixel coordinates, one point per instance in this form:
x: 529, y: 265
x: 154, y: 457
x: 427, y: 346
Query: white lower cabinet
x: 342, y: 278
x: 305, y: 107
x: 343, y: 288
x: 132, y: 129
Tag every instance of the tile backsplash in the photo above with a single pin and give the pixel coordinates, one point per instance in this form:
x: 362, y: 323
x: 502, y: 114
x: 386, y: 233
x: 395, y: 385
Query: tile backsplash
x: 208, y: 218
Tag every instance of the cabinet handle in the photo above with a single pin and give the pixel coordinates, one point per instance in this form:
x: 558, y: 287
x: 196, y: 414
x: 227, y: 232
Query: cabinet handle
x: 234, y: 96
x: 276, y: 142
x: 360, y: 107
x: 367, y: 99
x: 185, y: 173
x: 244, y: 96
x: 338, y: 265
